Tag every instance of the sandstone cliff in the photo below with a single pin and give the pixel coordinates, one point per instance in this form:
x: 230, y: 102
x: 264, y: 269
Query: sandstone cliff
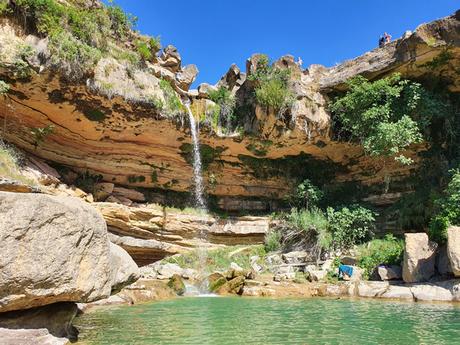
x: 103, y: 126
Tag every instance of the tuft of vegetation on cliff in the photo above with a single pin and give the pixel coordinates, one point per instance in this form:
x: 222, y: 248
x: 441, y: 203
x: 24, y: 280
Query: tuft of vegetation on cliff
x: 80, y: 35
x: 271, y: 86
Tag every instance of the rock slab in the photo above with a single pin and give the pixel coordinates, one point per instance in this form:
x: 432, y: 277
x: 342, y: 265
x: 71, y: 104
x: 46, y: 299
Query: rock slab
x: 419, y: 258
x: 453, y: 249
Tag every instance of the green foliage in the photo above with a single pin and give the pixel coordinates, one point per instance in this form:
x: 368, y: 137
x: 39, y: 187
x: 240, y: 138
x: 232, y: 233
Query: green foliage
x: 386, y: 251
x: 448, y: 206
x: 272, y: 242
x: 224, y: 115
x: 439, y: 61
x: 21, y: 68
x: 4, y: 7
x: 173, y: 106
x: 136, y: 178
x: 4, y: 88
x: 121, y: 22
x: 155, y: 43
x: 381, y: 115
x: 40, y: 133
x: 79, y: 36
x: 219, y: 259
x: 271, y: 89
x: 11, y: 161
x: 72, y: 56
x: 306, y: 195
x: 147, y: 48
x: 350, y: 226
x: 144, y: 50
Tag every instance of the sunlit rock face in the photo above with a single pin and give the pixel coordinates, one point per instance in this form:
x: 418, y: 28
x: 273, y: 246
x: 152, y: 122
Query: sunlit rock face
x: 130, y: 143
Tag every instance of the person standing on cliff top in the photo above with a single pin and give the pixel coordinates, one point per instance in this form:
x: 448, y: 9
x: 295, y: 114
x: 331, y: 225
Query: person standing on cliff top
x: 387, y: 38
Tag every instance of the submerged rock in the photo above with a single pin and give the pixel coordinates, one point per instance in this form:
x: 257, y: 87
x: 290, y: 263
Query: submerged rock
x: 177, y: 284
x: 419, y: 257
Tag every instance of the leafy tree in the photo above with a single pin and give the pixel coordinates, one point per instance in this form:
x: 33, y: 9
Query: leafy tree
x: 306, y: 195
x: 381, y: 115
x: 350, y: 226
x: 448, y: 210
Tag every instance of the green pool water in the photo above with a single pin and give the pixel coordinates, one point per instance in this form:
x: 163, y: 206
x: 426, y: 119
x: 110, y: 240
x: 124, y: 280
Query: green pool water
x: 208, y: 320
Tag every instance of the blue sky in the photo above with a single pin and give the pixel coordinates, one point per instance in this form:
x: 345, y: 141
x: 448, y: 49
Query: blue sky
x: 213, y: 34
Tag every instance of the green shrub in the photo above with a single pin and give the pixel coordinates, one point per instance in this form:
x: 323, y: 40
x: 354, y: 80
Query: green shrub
x: 144, y: 50
x: 386, y: 251
x: 306, y: 195
x: 155, y: 43
x: 271, y: 88
x: 122, y: 22
x: 41, y: 133
x: 272, y: 241
x: 226, y: 102
x: 448, y: 207
x: 350, y: 226
x: 173, y: 104
x: 381, y: 114
x: 72, y: 56
x: 4, y: 87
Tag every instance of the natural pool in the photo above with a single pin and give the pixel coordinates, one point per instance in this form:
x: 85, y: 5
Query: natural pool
x: 219, y: 320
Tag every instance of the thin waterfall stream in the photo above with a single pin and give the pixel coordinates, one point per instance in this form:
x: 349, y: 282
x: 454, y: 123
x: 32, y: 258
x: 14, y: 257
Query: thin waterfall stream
x: 197, y: 167
x: 199, y: 199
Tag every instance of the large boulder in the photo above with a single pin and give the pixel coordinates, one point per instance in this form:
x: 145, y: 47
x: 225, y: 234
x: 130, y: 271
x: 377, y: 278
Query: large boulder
x: 124, y: 269
x: 419, y: 258
x: 187, y: 76
x: 453, y: 249
x: 53, y: 249
x: 170, y: 58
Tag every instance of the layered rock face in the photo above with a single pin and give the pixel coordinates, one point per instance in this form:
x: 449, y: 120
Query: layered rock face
x: 131, y: 144
x: 149, y: 233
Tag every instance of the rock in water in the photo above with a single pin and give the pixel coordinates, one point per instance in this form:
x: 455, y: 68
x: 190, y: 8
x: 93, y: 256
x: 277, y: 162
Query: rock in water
x: 419, y: 258
x: 53, y: 249
x: 453, y: 249
x: 177, y: 284
x: 124, y: 269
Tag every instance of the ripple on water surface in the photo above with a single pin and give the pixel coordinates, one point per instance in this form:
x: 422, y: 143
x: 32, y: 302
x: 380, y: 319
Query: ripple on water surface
x: 225, y: 321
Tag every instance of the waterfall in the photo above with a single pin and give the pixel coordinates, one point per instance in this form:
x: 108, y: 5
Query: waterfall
x: 199, y: 203
x: 197, y: 169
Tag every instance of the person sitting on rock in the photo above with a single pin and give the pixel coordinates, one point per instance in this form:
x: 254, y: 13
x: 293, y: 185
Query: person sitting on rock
x: 387, y: 38
x: 381, y: 41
